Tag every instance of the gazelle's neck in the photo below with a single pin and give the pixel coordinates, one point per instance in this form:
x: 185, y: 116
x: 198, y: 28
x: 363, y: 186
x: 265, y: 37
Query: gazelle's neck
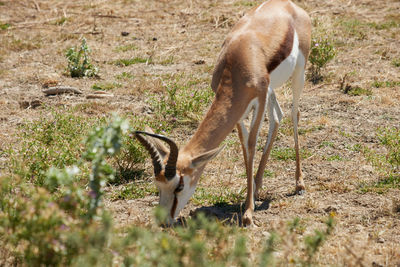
x: 227, y: 108
x: 216, y: 125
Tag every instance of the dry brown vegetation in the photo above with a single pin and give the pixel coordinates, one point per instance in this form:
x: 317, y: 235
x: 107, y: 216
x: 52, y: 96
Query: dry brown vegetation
x: 181, y: 40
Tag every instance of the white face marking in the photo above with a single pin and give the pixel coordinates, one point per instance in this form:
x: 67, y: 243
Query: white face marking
x: 184, y: 196
x: 167, y: 195
x: 285, y: 70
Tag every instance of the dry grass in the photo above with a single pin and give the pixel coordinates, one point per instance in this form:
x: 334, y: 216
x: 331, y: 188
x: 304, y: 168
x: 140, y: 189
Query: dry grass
x: 176, y: 35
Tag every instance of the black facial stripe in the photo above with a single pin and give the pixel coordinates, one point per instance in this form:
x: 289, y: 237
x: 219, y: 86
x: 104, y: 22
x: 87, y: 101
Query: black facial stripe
x: 180, y: 186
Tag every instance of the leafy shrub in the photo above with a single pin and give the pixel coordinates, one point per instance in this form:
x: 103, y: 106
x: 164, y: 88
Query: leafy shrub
x: 61, y: 223
x: 181, y: 103
x: 52, y: 140
x: 79, y: 64
x: 322, y: 51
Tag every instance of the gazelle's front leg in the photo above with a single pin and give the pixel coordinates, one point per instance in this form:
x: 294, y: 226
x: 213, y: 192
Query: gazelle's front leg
x: 275, y: 116
x: 249, y: 141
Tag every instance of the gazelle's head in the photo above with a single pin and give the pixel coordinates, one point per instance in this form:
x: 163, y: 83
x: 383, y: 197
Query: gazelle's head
x: 175, y: 175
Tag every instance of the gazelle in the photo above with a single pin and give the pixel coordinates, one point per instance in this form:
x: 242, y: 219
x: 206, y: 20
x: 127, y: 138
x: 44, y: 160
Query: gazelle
x: 264, y: 49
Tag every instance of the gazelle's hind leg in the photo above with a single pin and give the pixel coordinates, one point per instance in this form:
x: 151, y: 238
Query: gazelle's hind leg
x: 249, y: 141
x: 297, y: 86
x: 275, y: 116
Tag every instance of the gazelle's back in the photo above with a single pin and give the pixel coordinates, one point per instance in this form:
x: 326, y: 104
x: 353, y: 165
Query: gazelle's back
x: 261, y: 41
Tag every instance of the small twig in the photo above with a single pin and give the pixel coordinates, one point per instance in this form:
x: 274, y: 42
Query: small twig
x: 57, y: 90
x: 108, y: 16
x: 36, y: 5
x: 358, y: 259
x: 319, y: 86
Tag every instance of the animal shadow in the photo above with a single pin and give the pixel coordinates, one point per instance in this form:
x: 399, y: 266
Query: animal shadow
x: 228, y: 213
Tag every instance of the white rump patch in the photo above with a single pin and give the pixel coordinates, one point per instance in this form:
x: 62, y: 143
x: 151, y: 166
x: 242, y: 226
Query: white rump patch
x: 285, y: 70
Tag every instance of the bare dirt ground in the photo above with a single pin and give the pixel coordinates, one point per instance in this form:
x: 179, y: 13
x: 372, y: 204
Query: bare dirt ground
x: 184, y: 33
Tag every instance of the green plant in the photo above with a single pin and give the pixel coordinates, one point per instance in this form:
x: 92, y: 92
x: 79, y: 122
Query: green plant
x: 181, y: 103
x: 102, y: 143
x: 396, y: 62
x: 4, y: 26
x: 387, y: 163
x: 60, y: 21
x: 205, y: 196
x: 61, y: 223
x: 315, y: 241
x: 135, y: 190
x: 125, y: 48
x: 79, y: 64
x: 356, y: 91
x: 322, y: 51
x: 246, y: 3
x: 130, y: 161
x: 130, y: 61
x: 106, y: 86
x: 54, y: 139
x: 124, y: 76
x: 379, y: 84
x: 334, y: 158
x: 288, y: 153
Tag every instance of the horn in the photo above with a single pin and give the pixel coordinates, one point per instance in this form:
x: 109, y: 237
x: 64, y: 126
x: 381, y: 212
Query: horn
x: 155, y: 156
x: 170, y: 167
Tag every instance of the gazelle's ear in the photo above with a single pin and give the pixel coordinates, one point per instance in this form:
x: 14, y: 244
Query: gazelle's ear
x: 161, y: 148
x: 202, y: 159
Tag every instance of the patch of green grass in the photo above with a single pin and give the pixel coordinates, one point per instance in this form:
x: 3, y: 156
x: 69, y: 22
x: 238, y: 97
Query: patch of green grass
x: 289, y: 153
x: 356, y: 91
x: 52, y: 140
x: 60, y: 21
x: 334, y: 158
x: 4, y: 26
x: 396, y: 62
x: 354, y: 28
x: 106, y: 86
x: 390, y: 84
x: 303, y: 131
x: 18, y: 45
x: 383, y: 25
x: 183, y: 102
x: 167, y: 61
x: 135, y: 190
x: 387, y: 164
x: 124, y: 76
x: 326, y: 144
x: 222, y: 196
x: 269, y: 173
x: 130, y: 61
x: 125, y: 48
x: 246, y: 3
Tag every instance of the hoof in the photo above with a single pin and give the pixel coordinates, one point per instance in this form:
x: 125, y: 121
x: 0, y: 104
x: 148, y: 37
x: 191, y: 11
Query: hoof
x: 300, y: 192
x: 300, y: 189
x: 247, y: 219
